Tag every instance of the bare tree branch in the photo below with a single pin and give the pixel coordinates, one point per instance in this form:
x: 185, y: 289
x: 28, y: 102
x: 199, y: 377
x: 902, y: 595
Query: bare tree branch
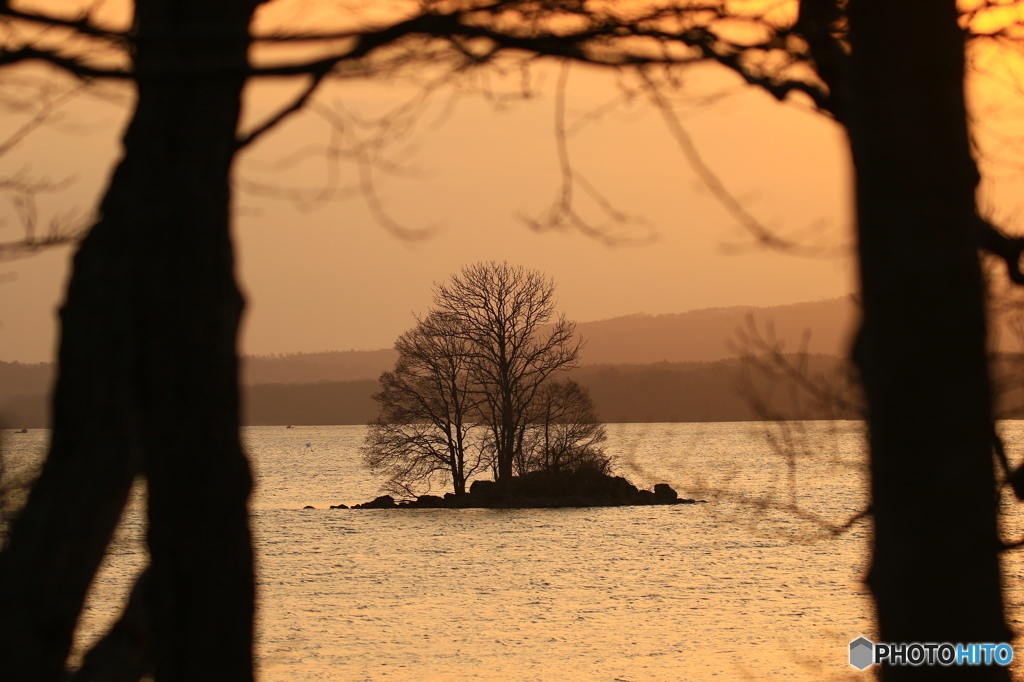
x: 298, y: 103
x: 562, y: 213
x: 1009, y: 249
x: 72, y: 65
x: 710, y: 179
x: 83, y: 25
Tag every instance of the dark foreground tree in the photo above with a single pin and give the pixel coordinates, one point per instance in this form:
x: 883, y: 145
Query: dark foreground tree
x: 148, y: 380
x: 931, y: 434
x: 428, y: 412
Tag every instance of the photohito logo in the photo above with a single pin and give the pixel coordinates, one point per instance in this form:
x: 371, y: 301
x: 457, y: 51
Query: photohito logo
x: 865, y: 653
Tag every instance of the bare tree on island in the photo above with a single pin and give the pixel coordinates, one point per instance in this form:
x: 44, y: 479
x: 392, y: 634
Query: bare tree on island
x: 506, y: 316
x: 427, y: 412
x: 476, y: 375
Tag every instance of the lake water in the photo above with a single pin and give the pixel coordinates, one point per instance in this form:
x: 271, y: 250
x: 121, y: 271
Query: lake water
x: 747, y: 586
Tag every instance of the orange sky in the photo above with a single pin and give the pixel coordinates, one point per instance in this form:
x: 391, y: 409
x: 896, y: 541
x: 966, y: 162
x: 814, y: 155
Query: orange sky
x: 329, y: 276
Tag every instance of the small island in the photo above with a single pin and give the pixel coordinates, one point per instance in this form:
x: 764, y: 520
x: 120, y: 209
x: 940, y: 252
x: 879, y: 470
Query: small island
x: 539, y: 490
x: 479, y: 385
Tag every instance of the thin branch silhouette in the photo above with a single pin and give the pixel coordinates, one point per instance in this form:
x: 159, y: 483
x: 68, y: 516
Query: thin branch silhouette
x: 562, y: 213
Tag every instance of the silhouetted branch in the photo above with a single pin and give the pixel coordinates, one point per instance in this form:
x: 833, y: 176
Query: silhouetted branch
x: 62, y: 229
x: 364, y: 153
x: 604, y: 39
x: 562, y: 213
x: 822, y: 23
x: 297, y: 104
x: 711, y: 180
x: 61, y: 234
x: 38, y: 119
x: 761, y: 505
x: 767, y: 356
x: 540, y: 30
x: 1009, y: 249
x: 25, y: 189
x: 82, y: 25
x: 353, y: 139
x: 792, y: 429
x: 808, y: 56
x: 70, y: 64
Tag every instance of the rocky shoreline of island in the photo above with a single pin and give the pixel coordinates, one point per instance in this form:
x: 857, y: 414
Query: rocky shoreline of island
x: 538, y: 490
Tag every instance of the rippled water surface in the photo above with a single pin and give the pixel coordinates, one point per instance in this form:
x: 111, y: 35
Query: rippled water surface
x: 743, y: 587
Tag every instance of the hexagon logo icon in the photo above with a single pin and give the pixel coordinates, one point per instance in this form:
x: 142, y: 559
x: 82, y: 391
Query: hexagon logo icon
x: 861, y: 653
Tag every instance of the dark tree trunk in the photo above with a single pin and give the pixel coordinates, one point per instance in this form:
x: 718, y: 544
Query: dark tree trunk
x: 459, y: 473
x: 188, y: 313
x: 60, y: 537
x: 148, y: 376
x: 506, y: 445
x: 935, y: 571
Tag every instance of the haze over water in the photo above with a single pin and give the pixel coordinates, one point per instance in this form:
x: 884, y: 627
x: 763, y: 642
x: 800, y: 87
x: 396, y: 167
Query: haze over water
x: 724, y: 590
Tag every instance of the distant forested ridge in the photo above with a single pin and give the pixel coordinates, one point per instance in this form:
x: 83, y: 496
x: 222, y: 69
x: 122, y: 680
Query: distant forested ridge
x: 24, y: 391
x: 661, y: 392
x: 17, y: 378
x: 638, y: 368
x: 326, y: 402
x: 308, y: 368
x: 725, y: 390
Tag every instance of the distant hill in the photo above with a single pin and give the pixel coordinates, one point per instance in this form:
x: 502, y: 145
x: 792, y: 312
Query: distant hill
x: 724, y: 390
x: 695, y: 336
x: 702, y: 335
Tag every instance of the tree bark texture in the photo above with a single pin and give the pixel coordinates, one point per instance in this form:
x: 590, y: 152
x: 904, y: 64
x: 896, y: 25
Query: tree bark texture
x: 935, y: 571
x: 148, y: 375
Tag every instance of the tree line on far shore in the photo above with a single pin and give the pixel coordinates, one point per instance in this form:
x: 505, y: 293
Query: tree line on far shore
x: 478, y: 388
